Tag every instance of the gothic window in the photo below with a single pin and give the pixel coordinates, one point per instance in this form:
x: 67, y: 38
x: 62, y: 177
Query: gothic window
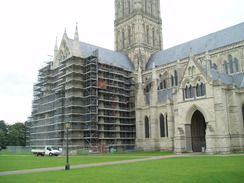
x: 231, y: 64
x: 215, y: 66
x: 189, y: 92
x: 189, y: 71
x: 123, y: 9
x: 200, y: 89
x: 151, y: 9
x: 147, y: 35
x: 147, y: 132
x: 146, y: 6
x: 162, y: 85
x: 211, y: 64
x: 226, y: 67
x: 236, y: 63
x: 172, y: 80
x: 176, y: 77
x: 129, y: 35
x: 118, y: 33
x: 129, y: 6
x: 166, y: 126
x: 243, y: 113
x: 153, y: 37
x: 133, y: 32
x: 123, y: 38
x: 162, y: 126
x: 148, y: 87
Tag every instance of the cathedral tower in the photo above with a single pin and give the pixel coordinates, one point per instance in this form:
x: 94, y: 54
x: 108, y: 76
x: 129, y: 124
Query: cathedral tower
x: 138, y: 29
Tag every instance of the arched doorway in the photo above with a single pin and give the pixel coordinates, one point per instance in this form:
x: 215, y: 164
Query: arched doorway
x: 198, y: 127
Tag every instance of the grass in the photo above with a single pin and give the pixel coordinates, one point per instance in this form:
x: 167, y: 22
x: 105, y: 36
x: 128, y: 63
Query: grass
x: 10, y: 163
x: 172, y: 170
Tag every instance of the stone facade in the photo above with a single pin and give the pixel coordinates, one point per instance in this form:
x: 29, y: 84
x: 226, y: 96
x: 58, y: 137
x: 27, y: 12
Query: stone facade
x: 138, y: 29
x: 221, y: 104
x: 192, y: 101
x: 188, y: 98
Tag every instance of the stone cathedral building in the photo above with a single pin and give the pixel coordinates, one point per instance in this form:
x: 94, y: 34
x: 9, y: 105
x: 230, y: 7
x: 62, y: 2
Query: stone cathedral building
x: 188, y: 98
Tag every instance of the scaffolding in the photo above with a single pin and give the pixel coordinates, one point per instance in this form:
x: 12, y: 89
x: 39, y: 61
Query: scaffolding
x: 96, y: 98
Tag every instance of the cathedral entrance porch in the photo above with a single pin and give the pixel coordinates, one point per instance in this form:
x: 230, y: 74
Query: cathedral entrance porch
x: 198, y: 127
x: 195, y: 133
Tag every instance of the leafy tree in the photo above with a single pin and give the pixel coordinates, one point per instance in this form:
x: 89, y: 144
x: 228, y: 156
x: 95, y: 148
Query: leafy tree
x: 3, y: 132
x: 2, y: 139
x: 3, y: 126
x: 17, y: 134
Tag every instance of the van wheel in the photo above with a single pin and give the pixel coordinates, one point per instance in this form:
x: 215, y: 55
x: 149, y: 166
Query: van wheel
x: 50, y: 154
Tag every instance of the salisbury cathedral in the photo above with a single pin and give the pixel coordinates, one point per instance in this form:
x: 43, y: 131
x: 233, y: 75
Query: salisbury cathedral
x: 140, y: 97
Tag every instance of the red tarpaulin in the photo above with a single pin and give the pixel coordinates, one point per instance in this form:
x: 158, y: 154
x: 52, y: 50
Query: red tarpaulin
x: 102, y: 84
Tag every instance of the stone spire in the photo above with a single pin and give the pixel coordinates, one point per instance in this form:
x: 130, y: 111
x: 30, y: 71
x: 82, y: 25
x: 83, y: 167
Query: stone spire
x: 208, y: 62
x: 55, y: 49
x: 76, y: 43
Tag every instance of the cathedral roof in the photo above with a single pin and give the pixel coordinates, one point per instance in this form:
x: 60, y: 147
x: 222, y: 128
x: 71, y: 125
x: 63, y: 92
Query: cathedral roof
x: 212, y: 41
x: 107, y: 56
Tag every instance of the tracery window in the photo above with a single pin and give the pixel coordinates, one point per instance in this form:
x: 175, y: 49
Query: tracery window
x: 176, y: 77
x: 189, y: 92
x: 231, y: 64
x: 200, y: 88
x: 147, y: 130
x: 163, y: 126
x: 153, y: 37
x: 147, y: 35
x: 123, y: 38
x: 162, y: 85
x: 129, y: 35
x: 226, y: 67
x: 148, y: 88
x: 236, y: 63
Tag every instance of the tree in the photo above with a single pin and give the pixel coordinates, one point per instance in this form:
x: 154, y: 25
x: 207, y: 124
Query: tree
x: 3, y: 126
x: 3, y: 132
x: 17, y: 134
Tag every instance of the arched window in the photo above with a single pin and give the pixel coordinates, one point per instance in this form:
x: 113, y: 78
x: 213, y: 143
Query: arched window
x: 176, y: 78
x: 189, y: 71
x: 147, y: 35
x: 148, y: 88
x: 146, y: 6
x: 129, y: 6
x: 231, y: 64
x: 172, y: 81
x: 226, y: 67
x: 243, y: 114
x: 162, y: 85
x: 129, y: 35
x: 162, y: 126
x: 215, y: 66
x: 189, y: 93
x: 123, y: 9
x: 153, y: 37
x: 147, y: 130
x: 201, y: 91
x: 166, y: 126
x: 123, y: 38
x: 236, y: 63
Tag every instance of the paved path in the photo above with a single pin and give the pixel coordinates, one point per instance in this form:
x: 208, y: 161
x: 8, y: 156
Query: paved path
x: 106, y: 163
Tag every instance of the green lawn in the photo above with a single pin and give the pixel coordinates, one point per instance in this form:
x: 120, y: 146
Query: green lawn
x: 9, y: 163
x: 172, y: 170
